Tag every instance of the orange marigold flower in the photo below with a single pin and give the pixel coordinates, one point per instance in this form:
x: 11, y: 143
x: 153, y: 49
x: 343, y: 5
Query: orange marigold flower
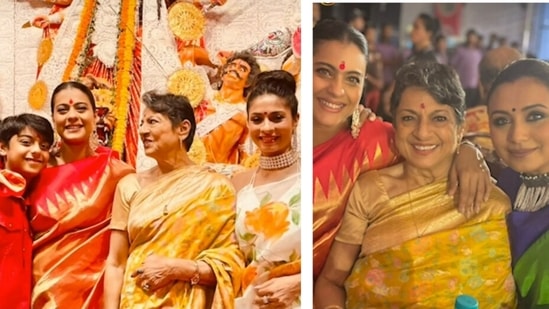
x: 271, y: 220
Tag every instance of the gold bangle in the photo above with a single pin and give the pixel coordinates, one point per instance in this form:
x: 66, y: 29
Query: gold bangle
x: 333, y: 307
x: 196, y: 276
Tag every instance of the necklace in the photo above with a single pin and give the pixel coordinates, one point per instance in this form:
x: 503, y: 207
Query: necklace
x: 413, y: 212
x: 533, y: 193
x: 280, y: 161
x: 171, y: 194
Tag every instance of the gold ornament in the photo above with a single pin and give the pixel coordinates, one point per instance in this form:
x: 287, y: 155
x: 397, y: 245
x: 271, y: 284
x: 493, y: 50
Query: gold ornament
x: 44, y: 51
x: 252, y: 160
x: 103, y: 97
x: 188, y: 83
x: 186, y: 21
x: 197, y: 153
x: 38, y: 95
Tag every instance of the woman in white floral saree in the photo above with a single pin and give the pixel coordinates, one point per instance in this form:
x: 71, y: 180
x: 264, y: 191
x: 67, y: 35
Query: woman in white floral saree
x: 269, y: 198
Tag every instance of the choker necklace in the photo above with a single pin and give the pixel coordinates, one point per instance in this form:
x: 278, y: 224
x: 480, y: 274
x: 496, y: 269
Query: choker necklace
x: 278, y: 162
x: 533, y: 193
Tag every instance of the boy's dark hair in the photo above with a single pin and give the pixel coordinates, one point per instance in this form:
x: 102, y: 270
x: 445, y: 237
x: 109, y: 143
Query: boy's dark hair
x: 13, y: 125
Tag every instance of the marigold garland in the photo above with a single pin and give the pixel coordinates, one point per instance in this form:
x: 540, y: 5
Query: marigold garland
x: 126, y: 44
x: 81, y: 37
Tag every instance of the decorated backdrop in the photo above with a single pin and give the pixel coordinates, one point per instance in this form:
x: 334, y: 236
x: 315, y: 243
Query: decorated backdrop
x: 122, y: 48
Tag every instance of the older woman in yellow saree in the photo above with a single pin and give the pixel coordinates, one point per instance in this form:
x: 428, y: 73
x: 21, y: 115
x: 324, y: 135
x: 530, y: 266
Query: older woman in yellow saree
x: 402, y: 243
x: 172, y: 242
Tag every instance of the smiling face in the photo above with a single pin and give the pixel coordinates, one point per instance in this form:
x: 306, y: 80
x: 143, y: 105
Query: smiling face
x: 426, y: 132
x: 271, y: 124
x: 519, y: 125
x: 338, y: 79
x: 26, y: 153
x: 73, y: 116
x: 159, y: 136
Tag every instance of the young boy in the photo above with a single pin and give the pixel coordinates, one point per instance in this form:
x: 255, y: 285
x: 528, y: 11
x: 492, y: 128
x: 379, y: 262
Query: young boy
x: 25, y: 141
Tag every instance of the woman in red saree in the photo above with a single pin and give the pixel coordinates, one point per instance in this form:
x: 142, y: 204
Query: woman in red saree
x: 343, y: 151
x: 71, y: 207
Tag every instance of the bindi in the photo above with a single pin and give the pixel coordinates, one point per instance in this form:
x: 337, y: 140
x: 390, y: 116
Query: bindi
x: 342, y: 65
x: 513, y: 109
x: 422, y: 105
x: 71, y: 102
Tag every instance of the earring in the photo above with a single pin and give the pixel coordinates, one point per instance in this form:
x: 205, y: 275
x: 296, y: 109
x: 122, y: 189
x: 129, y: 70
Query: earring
x: 250, y: 146
x: 355, y: 126
x: 294, y: 143
x: 94, y: 141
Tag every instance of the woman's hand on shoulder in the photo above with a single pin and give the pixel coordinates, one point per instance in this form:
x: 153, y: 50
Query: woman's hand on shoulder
x: 470, y: 178
x: 366, y: 114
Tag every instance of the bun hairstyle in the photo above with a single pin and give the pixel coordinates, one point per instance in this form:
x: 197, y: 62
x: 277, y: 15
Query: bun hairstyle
x: 431, y: 24
x: 278, y: 82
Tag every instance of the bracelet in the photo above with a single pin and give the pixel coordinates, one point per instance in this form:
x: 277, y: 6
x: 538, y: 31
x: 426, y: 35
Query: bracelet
x: 480, y: 157
x: 333, y: 307
x: 196, y: 277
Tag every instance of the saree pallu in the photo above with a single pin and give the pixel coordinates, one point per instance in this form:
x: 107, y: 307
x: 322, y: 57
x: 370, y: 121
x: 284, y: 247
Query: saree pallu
x: 268, y: 230
x: 419, y: 252
x: 186, y: 214
x: 529, y: 235
x: 71, y: 208
x: 336, y: 166
x: 431, y: 271
x: 531, y: 273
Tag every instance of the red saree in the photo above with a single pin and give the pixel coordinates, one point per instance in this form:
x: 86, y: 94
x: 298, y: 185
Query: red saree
x: 336, y: 166
x: 71, y: 209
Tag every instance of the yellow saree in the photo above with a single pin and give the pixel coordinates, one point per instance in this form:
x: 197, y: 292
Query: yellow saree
x: 188, y: 214
x: 419, y: 252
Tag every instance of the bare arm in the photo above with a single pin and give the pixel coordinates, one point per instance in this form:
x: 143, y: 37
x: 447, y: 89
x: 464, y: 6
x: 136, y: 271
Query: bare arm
x: 329, y: 289
x: 470, y: 178
x: 114, y: 270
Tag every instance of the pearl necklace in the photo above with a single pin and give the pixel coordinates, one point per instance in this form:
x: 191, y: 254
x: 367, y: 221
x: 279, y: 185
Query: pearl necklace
x: 280, y: 161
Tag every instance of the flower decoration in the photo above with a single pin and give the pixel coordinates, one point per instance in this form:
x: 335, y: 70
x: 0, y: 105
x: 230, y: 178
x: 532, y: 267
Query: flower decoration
x: 270, y: 220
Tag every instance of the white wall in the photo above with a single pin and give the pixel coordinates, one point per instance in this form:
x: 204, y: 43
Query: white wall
x: 17, y: 53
